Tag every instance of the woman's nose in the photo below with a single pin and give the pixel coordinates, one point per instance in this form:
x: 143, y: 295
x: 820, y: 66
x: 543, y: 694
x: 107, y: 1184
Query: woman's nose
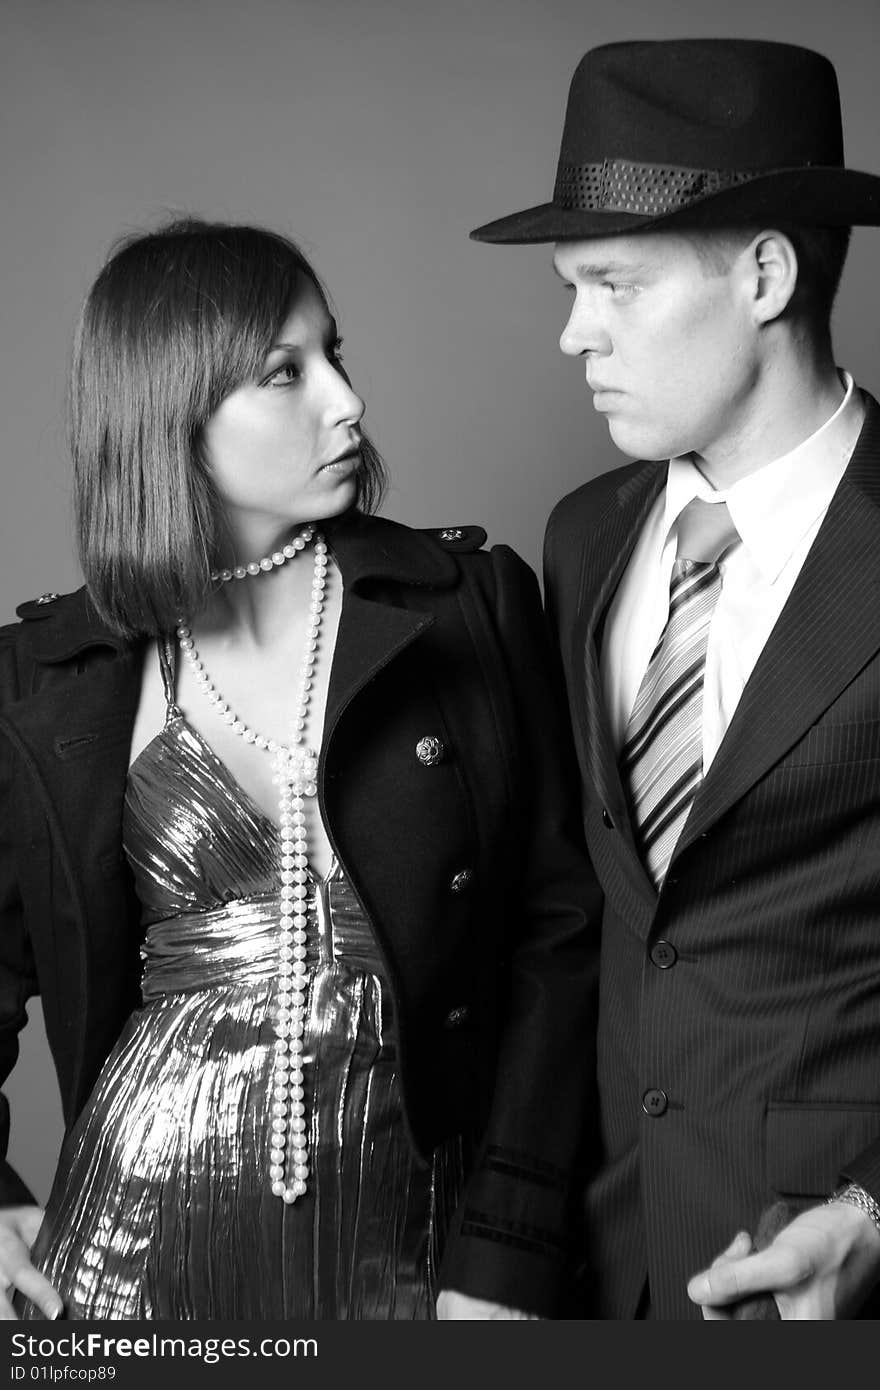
x: 345, y: 406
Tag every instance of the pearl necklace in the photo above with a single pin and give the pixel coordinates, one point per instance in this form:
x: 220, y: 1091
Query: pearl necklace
x: 295, y: 772
x: 268, y: 562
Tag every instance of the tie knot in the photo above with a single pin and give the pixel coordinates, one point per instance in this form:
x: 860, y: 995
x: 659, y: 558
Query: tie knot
x: 705, y: 531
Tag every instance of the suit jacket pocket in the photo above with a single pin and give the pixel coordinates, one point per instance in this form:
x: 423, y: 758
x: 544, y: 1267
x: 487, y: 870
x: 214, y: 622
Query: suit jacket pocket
x: 832, y: 742
x: 807, y: 1145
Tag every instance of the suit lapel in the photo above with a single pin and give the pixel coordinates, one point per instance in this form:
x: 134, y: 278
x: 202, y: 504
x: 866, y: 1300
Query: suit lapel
x: 606, y: 549
x: 828, y: 630
x: 606, y: 552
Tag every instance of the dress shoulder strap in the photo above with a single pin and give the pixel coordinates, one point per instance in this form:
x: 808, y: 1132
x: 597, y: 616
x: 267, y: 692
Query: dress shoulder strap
x: 168, y: 668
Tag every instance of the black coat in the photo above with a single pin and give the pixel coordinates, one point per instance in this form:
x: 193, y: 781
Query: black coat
x: 479, y: 893
x: 739, y: 1020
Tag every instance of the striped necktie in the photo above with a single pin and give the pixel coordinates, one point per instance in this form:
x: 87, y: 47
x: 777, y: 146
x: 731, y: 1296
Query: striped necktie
x: 662, y: 758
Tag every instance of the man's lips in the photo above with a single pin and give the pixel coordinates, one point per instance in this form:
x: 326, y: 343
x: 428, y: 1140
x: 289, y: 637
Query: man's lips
x: 603, y: 396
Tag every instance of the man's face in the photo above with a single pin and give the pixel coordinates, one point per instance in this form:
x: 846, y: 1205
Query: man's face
x: 668, y: 339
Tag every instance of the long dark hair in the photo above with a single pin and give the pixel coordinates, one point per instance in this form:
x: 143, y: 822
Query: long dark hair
x: 176, y: 320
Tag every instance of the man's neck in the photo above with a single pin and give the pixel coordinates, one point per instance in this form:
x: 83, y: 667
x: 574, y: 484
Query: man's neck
x: 793, y: 399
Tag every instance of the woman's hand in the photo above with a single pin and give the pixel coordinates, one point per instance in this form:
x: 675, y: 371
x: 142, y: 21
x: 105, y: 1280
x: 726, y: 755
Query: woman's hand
x: 18, y: 1231
x: 458, y: 1307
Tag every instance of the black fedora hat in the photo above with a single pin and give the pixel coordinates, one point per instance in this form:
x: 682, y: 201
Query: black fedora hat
x: 697, y: 132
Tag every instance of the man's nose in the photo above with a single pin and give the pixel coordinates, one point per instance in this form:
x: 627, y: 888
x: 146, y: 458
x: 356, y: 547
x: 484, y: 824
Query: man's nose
x: 583, y: 333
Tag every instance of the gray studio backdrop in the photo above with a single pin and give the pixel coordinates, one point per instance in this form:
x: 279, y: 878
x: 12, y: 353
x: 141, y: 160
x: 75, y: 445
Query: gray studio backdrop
x: 376, y: 132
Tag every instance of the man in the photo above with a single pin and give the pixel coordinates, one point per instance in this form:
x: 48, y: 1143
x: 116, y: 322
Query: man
x: 717, y: 608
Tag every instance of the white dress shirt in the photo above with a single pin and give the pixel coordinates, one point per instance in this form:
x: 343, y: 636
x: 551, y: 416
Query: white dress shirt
x: 777, y: 511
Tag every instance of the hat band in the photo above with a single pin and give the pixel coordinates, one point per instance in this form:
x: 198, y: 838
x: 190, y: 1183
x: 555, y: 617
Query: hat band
x: 620, y: 185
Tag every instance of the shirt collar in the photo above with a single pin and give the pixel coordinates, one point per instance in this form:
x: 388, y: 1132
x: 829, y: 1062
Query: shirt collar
x: 774, y: 507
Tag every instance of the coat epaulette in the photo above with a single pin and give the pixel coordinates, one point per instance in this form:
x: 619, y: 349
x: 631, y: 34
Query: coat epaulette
x: 458, y: 538
x: 36, y: 607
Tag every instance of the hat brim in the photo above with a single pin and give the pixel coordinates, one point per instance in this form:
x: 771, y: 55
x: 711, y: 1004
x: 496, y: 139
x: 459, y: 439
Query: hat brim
x: 826, y: 197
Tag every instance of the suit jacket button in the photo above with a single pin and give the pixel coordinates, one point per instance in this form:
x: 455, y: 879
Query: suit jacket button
x: 457, y: 1016
x: 47, y: 598
x: 606, y: 820
x: 430, y: 750
x: 654, y: 1102
x: 461, y: 881
x: 663, y: 954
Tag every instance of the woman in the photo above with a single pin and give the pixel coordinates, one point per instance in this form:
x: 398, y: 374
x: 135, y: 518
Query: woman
x: 284, y: 845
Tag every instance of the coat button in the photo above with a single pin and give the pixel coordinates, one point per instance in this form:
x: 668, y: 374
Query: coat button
x: 47, y: 598
x: 654, y: 1102
x: 461, y: 881
x: 451, y: 533
x: 663, y: 954
x: 457, y: 1016
x: 430, y: 750
x: 606, y: 820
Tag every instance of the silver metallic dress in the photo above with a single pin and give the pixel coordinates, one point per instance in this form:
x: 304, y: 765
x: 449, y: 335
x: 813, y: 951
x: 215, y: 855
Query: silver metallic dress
x: 161, y: 1206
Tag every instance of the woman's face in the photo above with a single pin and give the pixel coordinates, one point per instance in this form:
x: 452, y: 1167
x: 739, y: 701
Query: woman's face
x: 284, y: 449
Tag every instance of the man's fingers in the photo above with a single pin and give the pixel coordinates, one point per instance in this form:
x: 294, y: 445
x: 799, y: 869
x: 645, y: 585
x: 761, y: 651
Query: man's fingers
x: 711, y: 1314
x: 778, y: 1267
x: 740, y: 1246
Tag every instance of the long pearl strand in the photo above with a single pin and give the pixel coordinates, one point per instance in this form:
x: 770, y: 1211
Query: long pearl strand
x: 295, y: 771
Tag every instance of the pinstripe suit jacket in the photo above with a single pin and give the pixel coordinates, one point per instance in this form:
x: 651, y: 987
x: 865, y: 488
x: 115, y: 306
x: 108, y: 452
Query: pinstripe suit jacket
x: 739, y: 1021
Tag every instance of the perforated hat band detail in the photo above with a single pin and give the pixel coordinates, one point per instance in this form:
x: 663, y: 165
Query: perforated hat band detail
x: 620, y: 185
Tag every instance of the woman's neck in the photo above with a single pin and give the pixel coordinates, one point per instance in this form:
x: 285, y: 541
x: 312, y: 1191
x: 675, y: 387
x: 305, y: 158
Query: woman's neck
x: 255, y: 608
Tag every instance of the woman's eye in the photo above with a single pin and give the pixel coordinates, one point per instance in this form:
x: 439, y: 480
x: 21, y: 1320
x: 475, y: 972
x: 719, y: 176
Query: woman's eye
x: 286, y: 375
x: 336, y: 351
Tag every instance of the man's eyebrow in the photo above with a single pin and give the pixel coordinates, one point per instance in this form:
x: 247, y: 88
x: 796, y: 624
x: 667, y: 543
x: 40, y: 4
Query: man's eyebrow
x: 604, y: 271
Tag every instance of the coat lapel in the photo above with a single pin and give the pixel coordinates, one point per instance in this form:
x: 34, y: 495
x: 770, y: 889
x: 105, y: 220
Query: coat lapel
x: 372, y: 553
x: 828, y: 630
x: 371, y: 634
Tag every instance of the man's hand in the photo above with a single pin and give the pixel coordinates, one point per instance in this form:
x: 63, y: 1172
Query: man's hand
x: 822, y: 1265
x: 458, y: 1307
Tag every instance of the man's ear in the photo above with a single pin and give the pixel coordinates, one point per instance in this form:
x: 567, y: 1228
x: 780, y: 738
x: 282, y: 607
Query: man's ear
x: 772, y: 269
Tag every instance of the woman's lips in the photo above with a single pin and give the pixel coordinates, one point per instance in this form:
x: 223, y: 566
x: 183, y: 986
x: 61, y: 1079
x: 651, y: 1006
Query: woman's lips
x: 345, y: 463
